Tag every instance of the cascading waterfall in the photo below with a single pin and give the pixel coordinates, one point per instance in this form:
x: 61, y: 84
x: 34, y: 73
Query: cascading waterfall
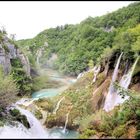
x: 36, y: 128
x: 25, y: 101
x: 126, y: 79
x: 58, y: 104
x: 125, y: 82
x: 66, y: 122
x: 19, y: 131
x: 116, y: 69
x: 96, y: 70
x: 111, y: 96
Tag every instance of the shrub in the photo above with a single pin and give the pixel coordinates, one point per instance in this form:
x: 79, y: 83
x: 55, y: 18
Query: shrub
x: 18, y: 117
x: 24, y: 82
x: 14, y: 112
x: 87, y: 133
x: 8, y: 89
x: 38, y: 114
x: 119, y: 131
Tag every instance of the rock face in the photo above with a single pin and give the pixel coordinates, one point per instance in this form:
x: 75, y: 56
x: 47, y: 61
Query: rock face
x: 24, y: 61
x: 5, y: 60
x: 8, y: 51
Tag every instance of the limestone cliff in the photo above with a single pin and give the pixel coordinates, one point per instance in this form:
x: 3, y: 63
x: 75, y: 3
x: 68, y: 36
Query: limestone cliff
x: 9, y: 51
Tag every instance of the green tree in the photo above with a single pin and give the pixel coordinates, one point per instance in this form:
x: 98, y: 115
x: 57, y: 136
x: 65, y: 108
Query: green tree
x: 8, y: 89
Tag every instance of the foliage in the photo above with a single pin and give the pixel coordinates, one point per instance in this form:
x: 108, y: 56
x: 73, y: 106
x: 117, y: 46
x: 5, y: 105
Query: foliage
x: 5, y: 48
x: 119, y: 131
x: 94, y: 39
x: 117, y: 121
x: 23, y: 81
x: 38, y: 114
x: 87, y: 133
x: 8, y: 89
x: 15, y: 112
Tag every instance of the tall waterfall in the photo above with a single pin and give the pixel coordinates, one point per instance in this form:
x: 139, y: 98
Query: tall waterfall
x: 126, y: 79
x: 111, y: 96
x: 58, y: 104
x: 116, y: 69
x: 125, y: 82
x: 115, y: 99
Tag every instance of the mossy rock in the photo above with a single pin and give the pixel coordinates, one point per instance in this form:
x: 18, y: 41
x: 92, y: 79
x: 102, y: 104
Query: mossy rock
x: 1, y: 123
x: 23, y: 120
x: 51, y: 121
x: 45, y: 104
x: 14, y: 112
x: 100, y: 79
x: 38, y: 114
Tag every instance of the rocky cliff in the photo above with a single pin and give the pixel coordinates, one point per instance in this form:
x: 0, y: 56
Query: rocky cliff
x: 9, y: 51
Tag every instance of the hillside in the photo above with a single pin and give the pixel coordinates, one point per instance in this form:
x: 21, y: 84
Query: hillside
x: 101, y: 53
x: 77, y: 45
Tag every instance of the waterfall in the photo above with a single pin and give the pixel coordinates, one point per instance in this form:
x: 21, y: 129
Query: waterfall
x: 36, y: 128
x: 115, y: 99
x: 96, y: 70
x: 58, y: 104
x: 111, y: 96
x: 39, y: 54
x: 80, y: 75
x: 125, y: 82
x: 66, y: 122
x: 126, y: 79
x: 116, y: 69
x: 19, y: 130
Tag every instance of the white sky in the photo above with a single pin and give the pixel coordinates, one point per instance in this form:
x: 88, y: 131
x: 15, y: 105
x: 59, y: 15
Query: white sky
x: 27, y: 19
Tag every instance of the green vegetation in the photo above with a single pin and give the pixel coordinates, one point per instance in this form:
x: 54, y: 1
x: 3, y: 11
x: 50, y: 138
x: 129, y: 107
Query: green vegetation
x: 91, y: 40
x: 95, y: 41
x: 8, y: 89
x: 87, y: 133
x: 18, y: 117
x: 38, y: 114
x: 24, y: 82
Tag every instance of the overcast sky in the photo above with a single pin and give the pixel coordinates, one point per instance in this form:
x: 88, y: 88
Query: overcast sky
x: 27, y: 19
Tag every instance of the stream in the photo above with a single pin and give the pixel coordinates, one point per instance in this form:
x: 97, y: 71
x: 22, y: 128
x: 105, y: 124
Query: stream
x: 51, y: 92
